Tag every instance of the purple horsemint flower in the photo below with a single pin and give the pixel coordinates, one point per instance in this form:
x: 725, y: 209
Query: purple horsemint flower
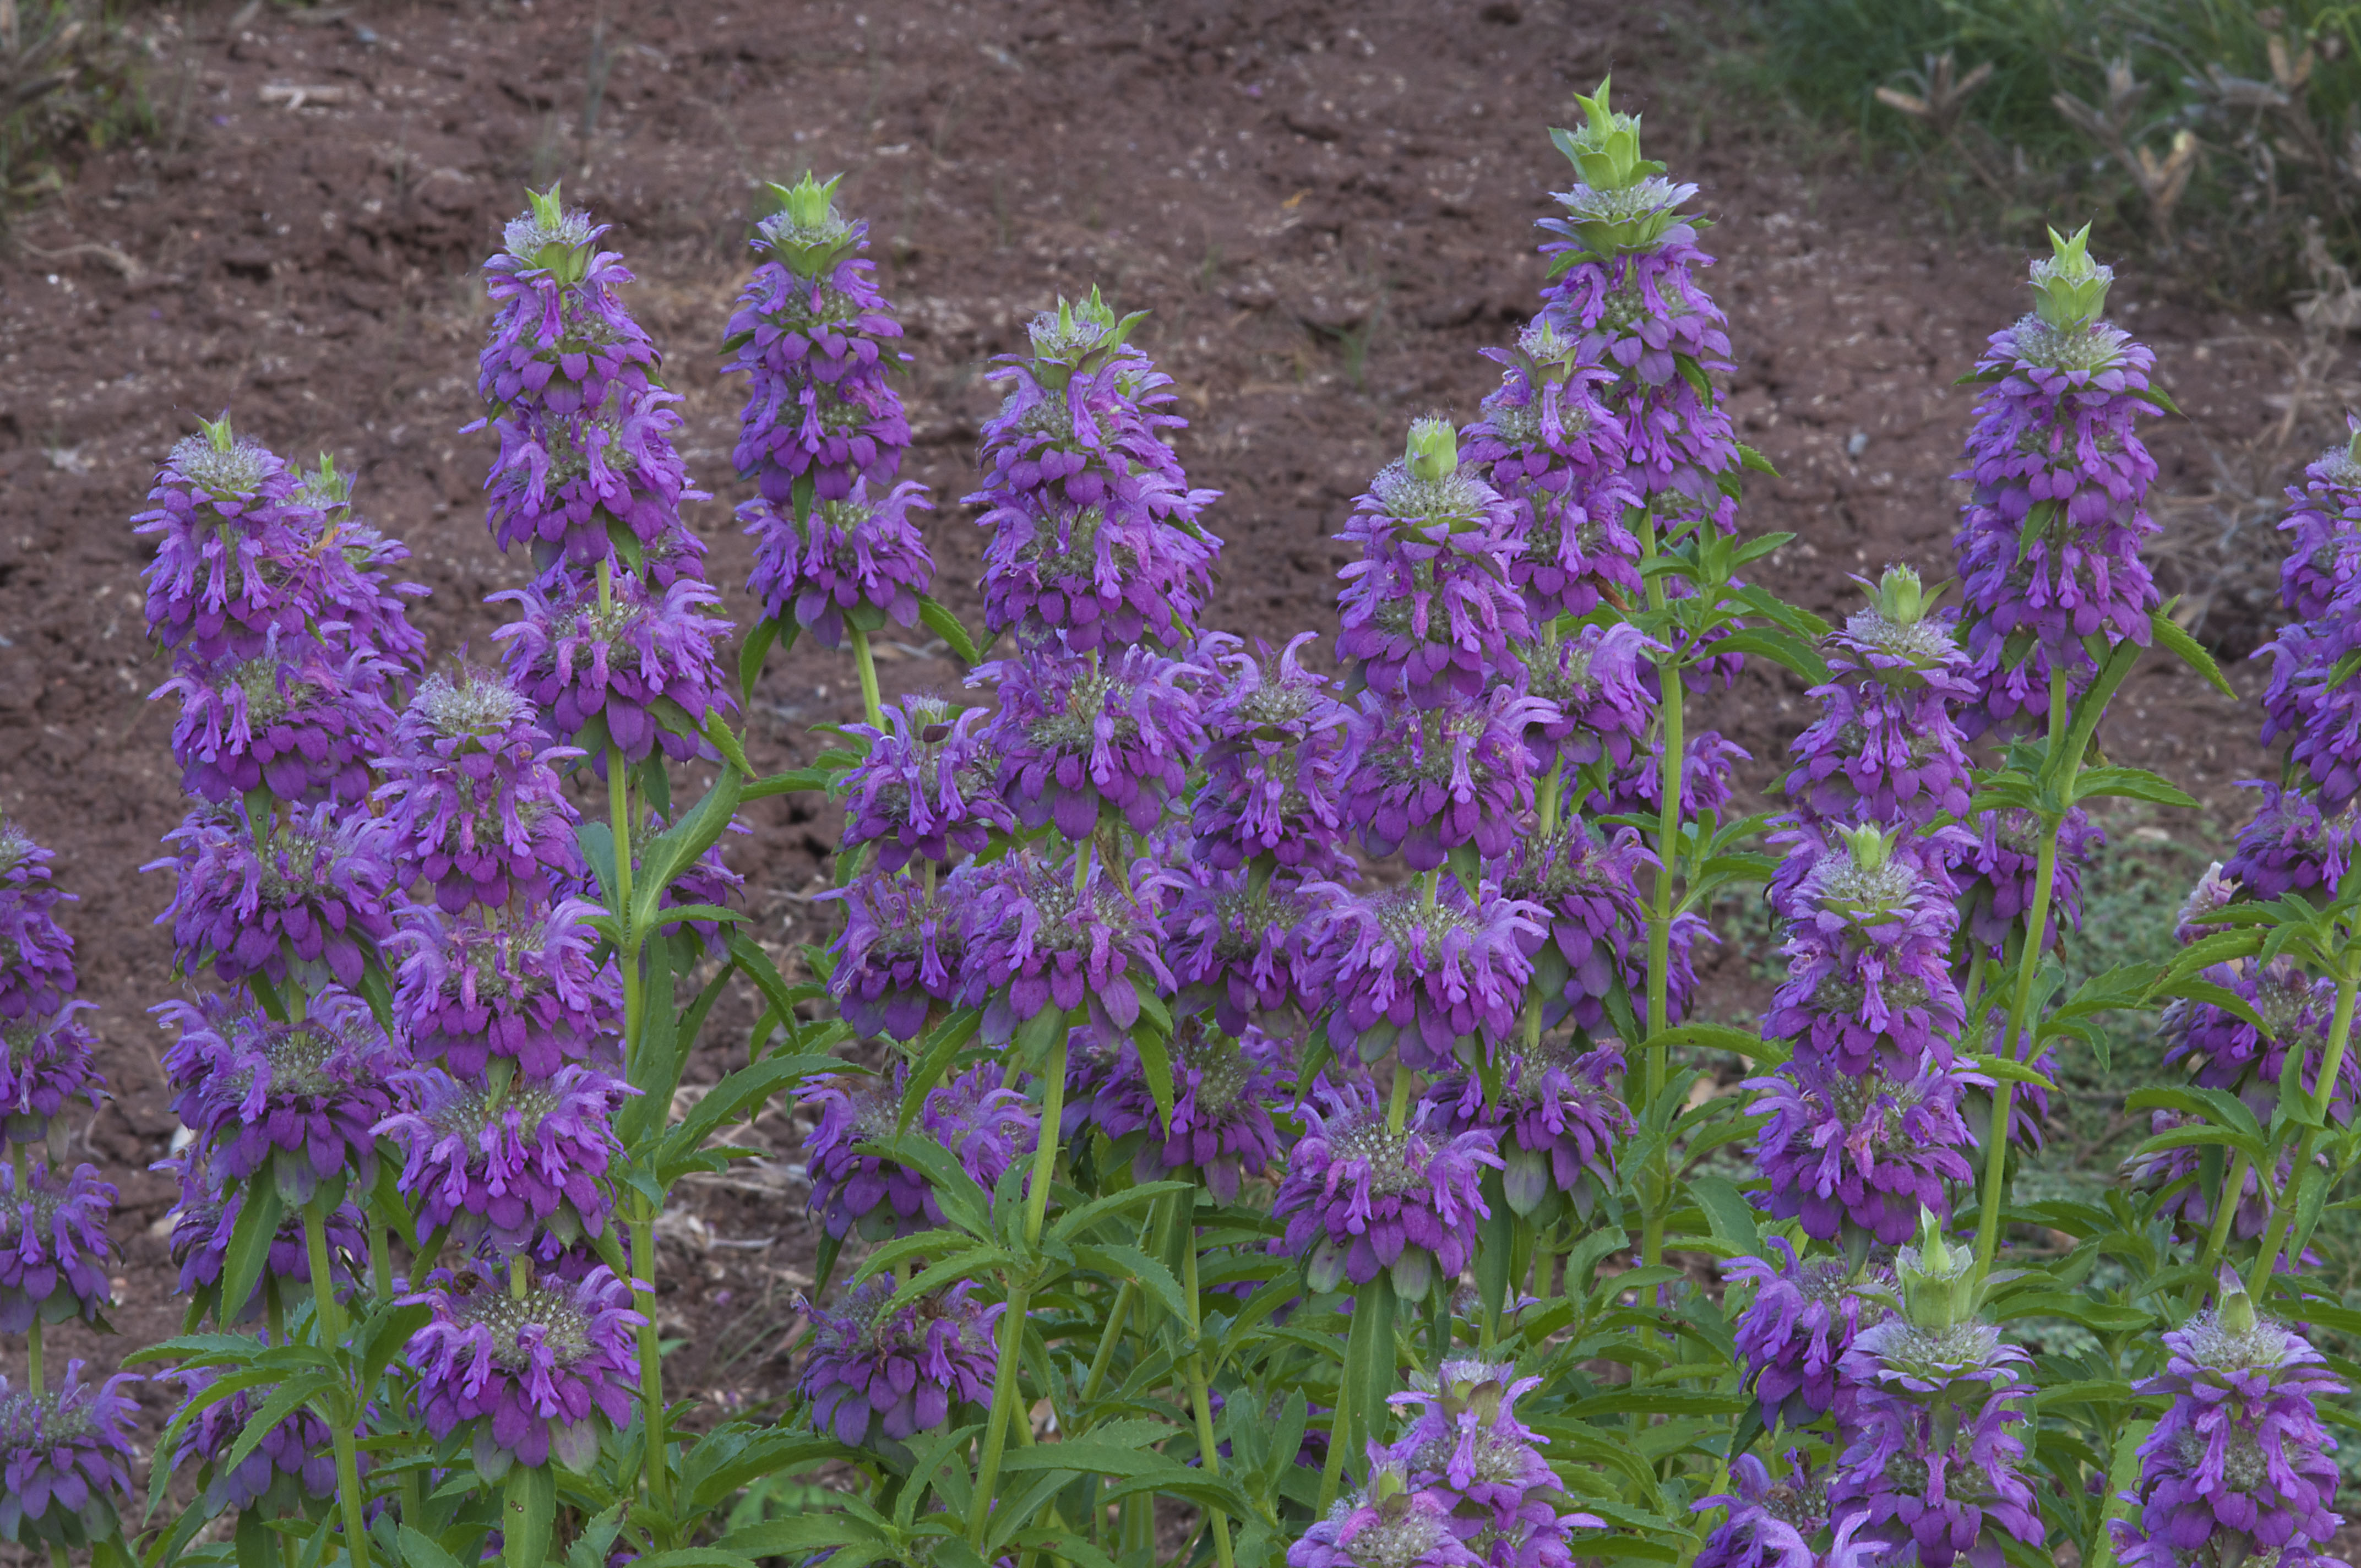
x: 859, y: 561
x: 1275, y: 754
x: 1887, y: 748
x: 476, y: 986
x: 1386, y: 1524
x: 1780, y: 1524
x: 1432, y: 975
x: 473, y: 795
x: 2188, y: 1198
x: 2239, y: 1467
x: 2049, y: 542
x: 902, y: 950
x: 1796, y: 1331
x: 531, y: 1371
x: 205, y: 1219
x: 1077, y: 738
x: 1039, y: 936
x: 1096, y: 576
x: 1868, y: 950
x: 54, y: 1250
x: 1550, y: 447
x: 1360, y: 1195
x: 291, y: 1469
x: 1465, y: 1447
x: 44, y: 1063
x: 1246, y: 946
x: 37, y: 964
x: 1862, y: 1152
x: 1593, y: 935
x: 64, y: 1455
x: 1604, y: 704
x: 300, y: 1100
x: 342, y: 573
x: 300, y: 719
x: 610, y: 663
x: 2293, y: 844
x: 705, y: 881
x: 816, y: 343
x: 2214, y: 890
x: 560, y: 336
x: 2324, y: 526
x: 1626, y: 295
x: 1995, y: 867
x: 2219, y: 1050
x: 1425, y: 781
x: 927, y: 785
x: 506, y: 1160
x: 983, y: 1124
x: 1428, y: 610
x: 1556, y: 1118
x: 1708, y: 779
x: 1221, y: 1091
x: 227, y: 519
x: 877, y: 1378
x: 305, y: 896
x: 568, y: 484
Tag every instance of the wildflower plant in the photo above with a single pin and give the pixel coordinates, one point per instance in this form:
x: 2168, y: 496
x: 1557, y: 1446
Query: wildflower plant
x: 1206, y: 1032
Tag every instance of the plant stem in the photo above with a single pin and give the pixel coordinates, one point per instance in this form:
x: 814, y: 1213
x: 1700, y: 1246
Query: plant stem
x: 865, y: 660
x: 1398, y: 1103
x: 380, y: 1261
x: 1206, y: 1451
x: 1005, y: 1387
x: 627, y: 955
x: 2331, y: 1065
x: 329, y: 1314
x: 33, y: 1357
x: 1109, y: 1337
x: 2217, y: 1234
x: 655, y: 1463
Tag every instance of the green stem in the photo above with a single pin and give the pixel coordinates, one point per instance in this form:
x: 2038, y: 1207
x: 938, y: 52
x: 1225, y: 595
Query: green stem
x: 1109, y: 1337
x: 1398, y: 1103
x: 656, y: 1462
x: 1340, y: 1420
x: 33, y: 1358
x: 1197, y: 1395
x: 865, y: 660
x: 627, y: 955
x: 1005, y: 1393
x: 2226, y: 1207
x: 329, y: 1314
x: 2332, y: 1063
x: 380, y: 1262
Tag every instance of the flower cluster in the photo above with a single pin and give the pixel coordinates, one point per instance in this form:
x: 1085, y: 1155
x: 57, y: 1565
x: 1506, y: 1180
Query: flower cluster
x: 1079, y: 736
x: 1843, y: 1152
x: 1429, y: 975
x: 619, y: 663
x: 1276, y: 744
x: 1363, y: 1194
x: 982, y: 1123
x: 877, y: 1378
x: 1222, y: 1089
x: 1466, y: 1448
x: 1556, y: 1120
x: 532, y: 1366
x: 507, y: 1162
x: 64, y: 1459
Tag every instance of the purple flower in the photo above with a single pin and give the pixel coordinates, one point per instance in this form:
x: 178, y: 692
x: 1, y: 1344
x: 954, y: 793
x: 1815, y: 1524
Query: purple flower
x: 2239, y: 1467
x: 505, y: 1161
x: 2324, y: 521
x: 1593, y: 679
x: 473, y: 795
x: 206, y: 1217
x: 292, y: 1468
x: 1035, y: 940
x: 53, y: 1247
x: 226, y: 520
x: 2049, y: 542
x: 1246, y: 946
x: 1360, y: 1196
x: 560, y: 336
x: 471, y: 988
x: 1933, y: 1465
x: 706, y: 880
x: 1385, y: 1525
x: 816, y: 343
x: 1866, y: 1152
x: 307, y: 895
x: 531, y: 1372
x: 1792, y: 1335
x: 1465, y: 1448
x: 300, y: 719
x: 341, y: 573
x: 612, y: 663
x: 1994, y: 872
x: 986, y: 1126
x: 1077, y: 738
x: 43, y: 1064
x: 2214, y: 890
x: 1550, y: 447
x: 1435, y: 977
x: 1708, y: 779
x: 2292, y: 845
x: 1594, y: 932
x: 1885, y: 748
x: 902, y: 950
x: 1428, y: 611
x: 1275, y: 754
x: 1780, y: 1524
x: 2219, y: 1050
x: 300, y: 1100
x: 1556, y: 1118
x: 1221, y: 1092
x: 1425, y: 781
x: 63, y: 1458
x: 2188, y: 1199
x: 927, y: 785
x: 36, y: 967
x: 877, y: 1378
x: 1868, y: 950
x: 860, y: 560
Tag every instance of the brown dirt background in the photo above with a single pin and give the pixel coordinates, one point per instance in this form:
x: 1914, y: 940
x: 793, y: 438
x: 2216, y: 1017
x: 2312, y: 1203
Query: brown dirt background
x: 1328, y: 206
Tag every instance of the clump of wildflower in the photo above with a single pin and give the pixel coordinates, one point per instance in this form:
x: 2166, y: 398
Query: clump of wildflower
x: 1868, y: 950
x: 1037, y: 939
x: 1779, y: 1524
x: 2292, y: 844
x: 205, y: 1219
x: 1222, y: 1089
x: 300, y: 719
x: 2049, y: 542
x: 1247, y: 946
x: 860, y: 561
x: 2214, y: 890
x: 1887, y: 748
x: 2323, y: 526
x: 473, y: 795
x: 1386, y: 1524
x: 926, y: 786
x: 471, y: 989
x: 1708, y: 777
x: 342, y: 573
x: 1465, y: 1447
x: 1556, y: 1118
x: 983, y: 1124
x: 305, y: 892
x: 610, y: 663
x: 64, y: 1456
x: 903, y: 951
x: 1361, y: 1195
x: 509, y: 1159
x: 1276, y: 743
x: 1593, y: 931
x: 1435, y: 977
x: 292, y: 1468
x: 37, y: 963
x: 1794, y: 1333
x: 531, y: 1370
x: 877, y: 1378
x: 1078, y: 737
x: 1603, y: 703
x: 225, y: 515
x: 1865, y: 1152
x: 1425, y: 781
x: 44, y: 1063
x: 54, y: 1252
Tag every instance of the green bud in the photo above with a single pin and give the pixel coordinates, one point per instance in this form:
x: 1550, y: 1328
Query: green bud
x: 2070, y: 289
x: 807, y: 235
x: 1870, y: 845
x: 1939, y: 1287
x: 1900, y: 597
x: 2233, y: 1308
x: 1606, y: 151
x: 1433, y: 451
x: 550, y: 239
x: 324, y: 488
x: 217, y: 432
x: 1082, y: 337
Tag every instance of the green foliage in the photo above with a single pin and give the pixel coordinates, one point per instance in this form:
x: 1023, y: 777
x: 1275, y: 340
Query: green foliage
x: 71, y: 80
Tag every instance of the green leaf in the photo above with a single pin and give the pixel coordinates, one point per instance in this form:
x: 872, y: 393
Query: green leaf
x: 2131, y: 784
x: 248, y: 1253
x: 1122, y: 1263
x: 1694, y: 374
x: 423, y: 1552
x: 750, y: 655
x: 1659, y: 1401
x: 936, y: 1052
x: 963, y: 1202
x: 1716, y: 1036
x: 1084, y: 1457
x: 1156, y: 1067
x: 946, y: 625
x: 1750, y: 458
x: 2187, y: 648
x: 727, y: 1100
x: 1776, y: 646
x: 2008, y: 1071
x: 1729, y: 1213
x: 678, y: 847
x: 2103, y: 1316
